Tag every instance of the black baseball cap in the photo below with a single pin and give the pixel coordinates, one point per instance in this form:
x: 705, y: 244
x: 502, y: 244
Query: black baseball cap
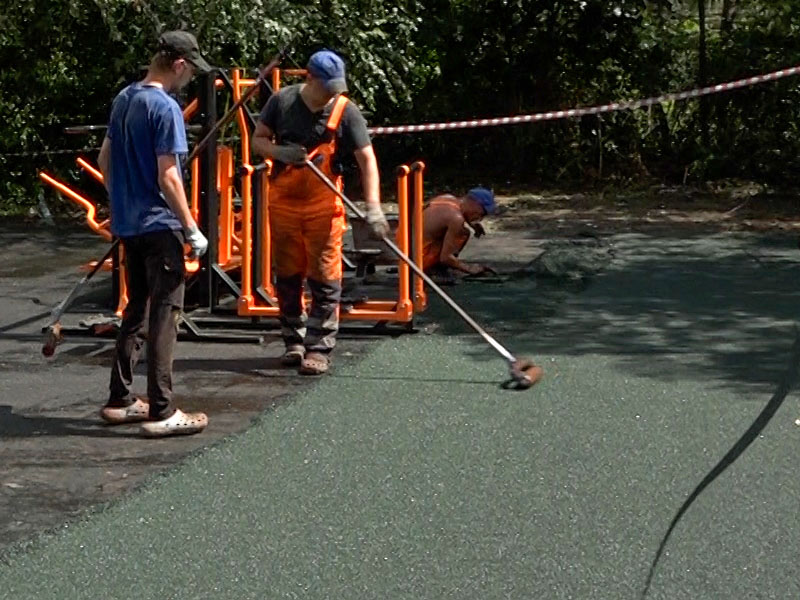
x: 182, y: 44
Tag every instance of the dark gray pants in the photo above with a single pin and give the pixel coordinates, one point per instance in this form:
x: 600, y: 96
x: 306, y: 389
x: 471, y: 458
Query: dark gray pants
x: 317, y: 332
x: 155, y: 277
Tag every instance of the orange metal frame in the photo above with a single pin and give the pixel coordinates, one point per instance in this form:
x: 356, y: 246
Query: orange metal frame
x: 236, y: 245
x: 400, y: 309
x: 277, y: 73
x: 102, y: 229
x: 420, y: 296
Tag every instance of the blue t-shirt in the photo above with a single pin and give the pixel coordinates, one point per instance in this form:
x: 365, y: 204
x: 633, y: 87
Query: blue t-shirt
x: 145, y: 123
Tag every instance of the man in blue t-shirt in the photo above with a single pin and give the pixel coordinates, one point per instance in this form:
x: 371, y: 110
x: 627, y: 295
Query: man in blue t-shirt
x: 140, y: 161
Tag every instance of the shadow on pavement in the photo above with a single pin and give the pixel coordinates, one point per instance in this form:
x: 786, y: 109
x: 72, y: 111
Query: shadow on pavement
x: 22, y: 322
x: 786, y: 385
x: 20, y: 426
x: 412, y: 378
x: 232, y: 365
x: 666, y: 307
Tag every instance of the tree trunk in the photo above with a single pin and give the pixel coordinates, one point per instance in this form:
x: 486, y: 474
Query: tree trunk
x: 728, y: 16
x: 703, y: 71
x: 722, y: 102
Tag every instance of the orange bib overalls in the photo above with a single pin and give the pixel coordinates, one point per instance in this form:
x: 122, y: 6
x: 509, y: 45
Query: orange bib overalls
x: 307, y: 222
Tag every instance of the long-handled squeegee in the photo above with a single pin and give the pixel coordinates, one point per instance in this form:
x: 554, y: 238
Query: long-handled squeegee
x: 523, y: 372
x: 52, y: 331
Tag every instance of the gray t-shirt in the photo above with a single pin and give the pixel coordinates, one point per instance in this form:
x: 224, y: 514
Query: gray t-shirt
x: 290, y: 120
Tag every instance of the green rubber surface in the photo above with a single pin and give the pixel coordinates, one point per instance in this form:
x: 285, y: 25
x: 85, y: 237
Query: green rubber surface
x: 435, y: 486
x: 413, y: 475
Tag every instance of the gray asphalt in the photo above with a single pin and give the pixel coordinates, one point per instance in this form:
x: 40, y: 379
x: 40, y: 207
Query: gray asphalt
x: 57, y: 460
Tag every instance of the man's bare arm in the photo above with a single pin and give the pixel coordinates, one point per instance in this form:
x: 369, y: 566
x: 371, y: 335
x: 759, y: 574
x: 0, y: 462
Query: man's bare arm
x: 454, y: 240
x: 104, y: 162
x: 171, y: 184
x: 370, y: 176
x: 262, y: 144
x: 371, y: 189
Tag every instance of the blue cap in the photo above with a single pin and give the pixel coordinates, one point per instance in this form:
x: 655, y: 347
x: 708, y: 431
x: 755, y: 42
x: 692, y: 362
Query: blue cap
x: 485, y: 198
x: 329, y: 68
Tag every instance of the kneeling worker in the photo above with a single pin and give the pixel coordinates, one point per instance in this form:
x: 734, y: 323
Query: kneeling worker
x: 448, y: 221
x: 313, y: 120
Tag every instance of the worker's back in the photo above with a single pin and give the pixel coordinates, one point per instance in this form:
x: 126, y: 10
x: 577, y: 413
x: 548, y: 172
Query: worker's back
x: 438, y: 215
x: 442, y: 213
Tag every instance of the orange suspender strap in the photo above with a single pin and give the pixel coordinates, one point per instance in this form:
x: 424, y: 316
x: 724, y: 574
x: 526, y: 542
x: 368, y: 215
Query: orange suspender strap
x: 336, y: 113
x: 333, y: 120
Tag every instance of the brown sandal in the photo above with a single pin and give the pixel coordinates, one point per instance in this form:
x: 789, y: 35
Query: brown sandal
x: 315, y: 363
x: 293, y: 355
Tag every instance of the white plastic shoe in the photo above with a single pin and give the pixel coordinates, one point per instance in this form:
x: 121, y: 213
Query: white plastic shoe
x: 180, y: 423
x: 136, y: 412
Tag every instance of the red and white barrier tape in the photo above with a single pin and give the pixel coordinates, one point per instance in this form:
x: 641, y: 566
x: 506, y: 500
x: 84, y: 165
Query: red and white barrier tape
x: 579, y: 112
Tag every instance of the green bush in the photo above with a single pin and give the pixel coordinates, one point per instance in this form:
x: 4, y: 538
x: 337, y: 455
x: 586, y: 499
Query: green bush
x: 431, y: 60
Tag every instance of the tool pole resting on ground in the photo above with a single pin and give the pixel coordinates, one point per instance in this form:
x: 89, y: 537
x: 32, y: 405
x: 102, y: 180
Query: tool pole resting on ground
x: 523, y: 372
x: 52, y: 331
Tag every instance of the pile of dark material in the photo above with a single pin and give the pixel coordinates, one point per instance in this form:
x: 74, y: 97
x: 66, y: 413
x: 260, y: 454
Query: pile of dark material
x: 571, y: 260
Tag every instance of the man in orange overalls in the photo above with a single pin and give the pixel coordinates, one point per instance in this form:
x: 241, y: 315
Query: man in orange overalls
x: 448, y: 222
x: 313, y: 120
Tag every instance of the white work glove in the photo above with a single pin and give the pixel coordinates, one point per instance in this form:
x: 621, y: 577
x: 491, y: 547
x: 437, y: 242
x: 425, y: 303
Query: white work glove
x: 378, y: 225
x: 196, y: 240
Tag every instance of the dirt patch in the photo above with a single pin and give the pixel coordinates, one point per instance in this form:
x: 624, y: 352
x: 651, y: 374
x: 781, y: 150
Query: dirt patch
x: 745, y: 207
x: 717, y: 207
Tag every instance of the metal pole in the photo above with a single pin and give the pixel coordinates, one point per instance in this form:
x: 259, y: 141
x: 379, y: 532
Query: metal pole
x: 262, y: 77
x: 414, y: 267
x: 209, y: 199
x: 257, y: 226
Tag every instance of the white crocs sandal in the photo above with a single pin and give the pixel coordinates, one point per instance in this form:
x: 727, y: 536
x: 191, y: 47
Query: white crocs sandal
x: 180, y: 423
x: 136, y: 412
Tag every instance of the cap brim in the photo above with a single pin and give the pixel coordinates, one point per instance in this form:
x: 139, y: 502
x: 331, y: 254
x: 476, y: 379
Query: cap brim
x: 336, y: 86
x: 200, y: 64
x: 488, y: 209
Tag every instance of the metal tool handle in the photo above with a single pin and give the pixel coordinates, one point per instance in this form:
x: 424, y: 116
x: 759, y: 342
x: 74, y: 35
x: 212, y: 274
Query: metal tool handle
x: 414, y: 267
x: 62, y: 306
x: 251, y: 91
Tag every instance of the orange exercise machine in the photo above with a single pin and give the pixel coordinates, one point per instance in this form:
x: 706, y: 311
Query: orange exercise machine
x: 231, y: 204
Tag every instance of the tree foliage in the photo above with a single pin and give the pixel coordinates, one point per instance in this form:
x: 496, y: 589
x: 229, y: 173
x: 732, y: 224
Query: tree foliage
x: 420, y: 60
x: 64, y: 60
